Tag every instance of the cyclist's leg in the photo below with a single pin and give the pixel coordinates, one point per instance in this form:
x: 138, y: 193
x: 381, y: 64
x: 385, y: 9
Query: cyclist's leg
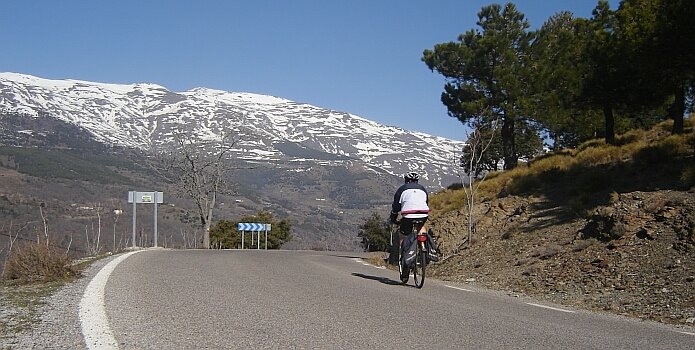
x: 421, y: 228
x: 404, y: 230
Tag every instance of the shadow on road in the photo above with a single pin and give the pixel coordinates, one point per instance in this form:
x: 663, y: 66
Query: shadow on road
x: 383, y: 280
x: 349, y: 257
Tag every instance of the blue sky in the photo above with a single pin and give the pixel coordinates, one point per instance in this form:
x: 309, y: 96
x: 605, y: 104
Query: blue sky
x: 357, y: 56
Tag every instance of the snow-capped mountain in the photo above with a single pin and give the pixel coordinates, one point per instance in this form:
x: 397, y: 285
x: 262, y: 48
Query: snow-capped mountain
x: 147, y: 116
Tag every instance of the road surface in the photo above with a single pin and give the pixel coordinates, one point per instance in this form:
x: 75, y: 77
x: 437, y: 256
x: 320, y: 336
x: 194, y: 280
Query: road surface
x: 229, y: 299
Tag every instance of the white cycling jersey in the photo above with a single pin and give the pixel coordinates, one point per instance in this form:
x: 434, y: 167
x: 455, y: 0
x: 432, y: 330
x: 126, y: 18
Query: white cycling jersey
x: 411, y: 201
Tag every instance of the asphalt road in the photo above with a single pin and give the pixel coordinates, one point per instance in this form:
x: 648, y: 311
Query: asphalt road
x: 195, y: 299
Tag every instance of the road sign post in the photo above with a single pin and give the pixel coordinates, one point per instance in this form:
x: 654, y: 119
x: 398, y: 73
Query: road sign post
x: 155, y: 198
x: 254, y: 227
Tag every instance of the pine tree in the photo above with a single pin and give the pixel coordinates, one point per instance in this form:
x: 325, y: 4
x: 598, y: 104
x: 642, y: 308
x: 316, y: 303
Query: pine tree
x: 556, y: 78
x: 487, y: 72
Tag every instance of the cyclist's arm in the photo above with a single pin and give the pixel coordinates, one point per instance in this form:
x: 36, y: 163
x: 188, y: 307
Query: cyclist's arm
x: 396, y: 205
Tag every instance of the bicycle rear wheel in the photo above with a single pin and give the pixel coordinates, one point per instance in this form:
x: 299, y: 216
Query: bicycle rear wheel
x: 403, y: 271
x: 419, y: 268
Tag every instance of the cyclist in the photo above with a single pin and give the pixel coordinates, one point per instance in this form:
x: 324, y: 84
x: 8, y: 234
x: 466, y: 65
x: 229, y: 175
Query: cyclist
x: 411, y: 201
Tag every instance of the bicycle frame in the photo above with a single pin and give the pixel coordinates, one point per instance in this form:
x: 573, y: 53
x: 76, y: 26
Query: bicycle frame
x: 418, y: 269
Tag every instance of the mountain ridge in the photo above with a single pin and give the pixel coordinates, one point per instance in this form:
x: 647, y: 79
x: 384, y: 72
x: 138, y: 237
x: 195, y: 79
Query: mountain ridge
x: 146, y: 116
x: 324, y: 170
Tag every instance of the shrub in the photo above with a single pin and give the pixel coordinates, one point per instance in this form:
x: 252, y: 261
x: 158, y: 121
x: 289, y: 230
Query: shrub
x: 613, y: 198
x: 33, y: 262
x: 524, y: 184
x: 605, y: 154
x: 631, y: 136
x: 687, y: 178
x: 552, y: 165
x: 377, y: 259
x: 603, y: 226
x: 591, y: 144
x: 455, y: 186
x: 593, y: 168
x: 374, y: 236
x: 670, y: 147
x: 448, y: 200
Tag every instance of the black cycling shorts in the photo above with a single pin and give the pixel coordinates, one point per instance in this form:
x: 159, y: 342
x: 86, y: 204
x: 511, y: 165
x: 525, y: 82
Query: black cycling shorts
x: 407, y: 224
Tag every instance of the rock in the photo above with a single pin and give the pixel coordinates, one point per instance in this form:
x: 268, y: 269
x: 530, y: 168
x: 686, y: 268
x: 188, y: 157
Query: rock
x: 643, y: 234
x: 519, y: 210
x: 599, y: 263
x: 649, y: 273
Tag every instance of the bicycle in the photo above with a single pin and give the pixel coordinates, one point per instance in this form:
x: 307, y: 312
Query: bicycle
x: 418, y: 266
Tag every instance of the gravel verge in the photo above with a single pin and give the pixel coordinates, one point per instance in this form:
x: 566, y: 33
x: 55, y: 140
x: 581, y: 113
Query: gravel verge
x: 58, y: 325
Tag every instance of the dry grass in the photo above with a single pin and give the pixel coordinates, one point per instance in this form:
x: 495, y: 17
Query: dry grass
x: 687, y: 178
x: 32, y: 272
x: 593, y: 167
x: 37, y: 263
x: 377, y: 258
x: 448, y: 200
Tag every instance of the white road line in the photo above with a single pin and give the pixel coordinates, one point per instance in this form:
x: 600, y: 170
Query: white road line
x: 361, y: 261
x: 551, y: 308
x: 358, y: 260
x: 95, y: 326
x: 457, y: 288
x: 688, y: 333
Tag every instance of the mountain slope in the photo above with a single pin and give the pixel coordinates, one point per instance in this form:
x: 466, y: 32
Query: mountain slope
x: 324, y: 170
x: 611, y: 228
x: 146, y: 116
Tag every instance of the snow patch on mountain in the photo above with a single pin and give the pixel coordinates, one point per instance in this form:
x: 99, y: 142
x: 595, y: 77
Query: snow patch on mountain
x: 148, y: 116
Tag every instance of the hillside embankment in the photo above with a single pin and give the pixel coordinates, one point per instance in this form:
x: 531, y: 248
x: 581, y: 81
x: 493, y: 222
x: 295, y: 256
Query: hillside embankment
x: 616, y: 234
x: 647, y: 270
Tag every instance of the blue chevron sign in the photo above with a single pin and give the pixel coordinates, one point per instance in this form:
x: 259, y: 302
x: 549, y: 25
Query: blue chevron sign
x: 244, y: 226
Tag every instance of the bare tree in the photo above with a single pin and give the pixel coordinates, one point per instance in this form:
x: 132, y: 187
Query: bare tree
x: 117, y: 213
x: 86, y: 237
x: 13, y: 239
x: 98, y: 209
x: 470, y: 168
x: 45, y: 224
x: 198, y: 171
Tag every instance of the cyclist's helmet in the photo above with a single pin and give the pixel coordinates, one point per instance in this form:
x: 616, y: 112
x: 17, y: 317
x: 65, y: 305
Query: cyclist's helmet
x: 411, y: 176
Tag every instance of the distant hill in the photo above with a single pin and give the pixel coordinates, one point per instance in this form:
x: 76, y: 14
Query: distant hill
x: 75, y: 148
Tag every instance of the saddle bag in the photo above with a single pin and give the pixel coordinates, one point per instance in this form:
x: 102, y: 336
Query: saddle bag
x: 409, y: 251
x: 432, y: 249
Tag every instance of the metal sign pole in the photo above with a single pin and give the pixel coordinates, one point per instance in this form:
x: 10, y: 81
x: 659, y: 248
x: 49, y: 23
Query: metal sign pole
x: 135, y: 211
x: 155, y: 198
x: 255, y: 230
x: 154, y: 229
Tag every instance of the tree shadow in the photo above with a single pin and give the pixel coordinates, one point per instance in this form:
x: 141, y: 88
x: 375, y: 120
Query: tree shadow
x: 582, y: 188
x: 549, y: 213
x: 383, y: 280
